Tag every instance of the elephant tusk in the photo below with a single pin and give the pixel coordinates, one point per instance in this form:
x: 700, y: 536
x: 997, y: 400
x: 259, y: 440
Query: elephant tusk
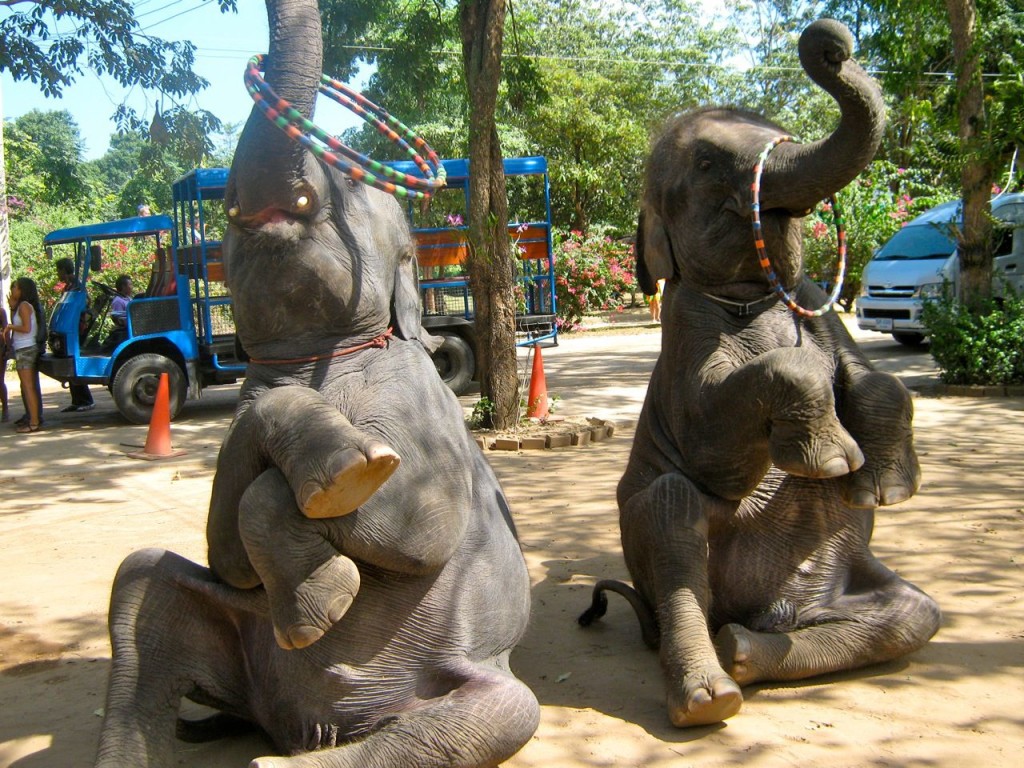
x: 233, y: 211
x: 302, y: 202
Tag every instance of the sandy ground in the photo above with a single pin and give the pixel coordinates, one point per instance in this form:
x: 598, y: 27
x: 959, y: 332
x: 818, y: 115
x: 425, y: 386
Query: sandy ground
x: 72, y: 505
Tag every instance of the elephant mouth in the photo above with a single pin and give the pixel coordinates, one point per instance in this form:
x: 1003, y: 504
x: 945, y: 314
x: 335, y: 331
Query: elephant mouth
x: 274, y: 224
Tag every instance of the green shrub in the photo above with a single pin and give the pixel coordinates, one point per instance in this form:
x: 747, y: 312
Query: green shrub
x: 986, y: 347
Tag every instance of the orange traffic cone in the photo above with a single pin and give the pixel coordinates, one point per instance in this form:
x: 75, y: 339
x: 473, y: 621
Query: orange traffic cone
x: 158, y: 439
x: 537, y: 402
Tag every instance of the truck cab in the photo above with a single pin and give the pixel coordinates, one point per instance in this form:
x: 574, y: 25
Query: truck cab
x: 179, y: 325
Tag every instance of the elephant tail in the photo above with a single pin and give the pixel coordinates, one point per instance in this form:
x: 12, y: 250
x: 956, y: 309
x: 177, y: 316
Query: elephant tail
x: 599, y: 605
x: 217, y: 726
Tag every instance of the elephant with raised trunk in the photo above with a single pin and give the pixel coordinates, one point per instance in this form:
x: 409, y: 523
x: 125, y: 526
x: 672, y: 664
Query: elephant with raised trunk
x: 365, y: 586
x: 766, y: 439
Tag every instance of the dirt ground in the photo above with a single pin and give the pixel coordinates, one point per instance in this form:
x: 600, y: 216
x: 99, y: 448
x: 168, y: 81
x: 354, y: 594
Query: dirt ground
x: 72, y: 505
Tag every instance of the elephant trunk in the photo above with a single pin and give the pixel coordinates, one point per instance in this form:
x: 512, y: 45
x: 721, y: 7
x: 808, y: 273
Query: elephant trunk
x: 798, y: 176
x: 273, y: 175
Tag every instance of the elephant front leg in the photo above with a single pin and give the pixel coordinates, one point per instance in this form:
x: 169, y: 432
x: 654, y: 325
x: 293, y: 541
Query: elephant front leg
x: 309, y: 584
x: 779, y: 408
x: 878, y: 411
x: 331, y: 467
x: 664, y: 539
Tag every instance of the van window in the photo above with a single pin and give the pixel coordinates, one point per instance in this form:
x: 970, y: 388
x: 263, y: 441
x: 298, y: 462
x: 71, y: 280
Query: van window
x: 920, y: 241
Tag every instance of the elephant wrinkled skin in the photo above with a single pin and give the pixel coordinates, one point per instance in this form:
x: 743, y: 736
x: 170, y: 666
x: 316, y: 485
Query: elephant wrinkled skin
x: 365, y: 586
x: 766, y: 440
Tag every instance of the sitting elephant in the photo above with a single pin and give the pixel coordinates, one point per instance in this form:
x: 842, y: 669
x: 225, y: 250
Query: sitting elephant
x: 365, y: 586
x: 766, y: 439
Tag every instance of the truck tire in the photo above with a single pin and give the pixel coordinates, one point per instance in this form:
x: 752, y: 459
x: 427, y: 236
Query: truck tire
x: 135, y: 385
x: 909, y: 339
x: 455, y: 362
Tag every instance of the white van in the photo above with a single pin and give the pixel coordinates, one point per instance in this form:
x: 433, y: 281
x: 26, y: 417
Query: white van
x: 915, y: 262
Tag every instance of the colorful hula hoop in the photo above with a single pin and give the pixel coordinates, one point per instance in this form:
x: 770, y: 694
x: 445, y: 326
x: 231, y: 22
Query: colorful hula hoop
x: 331, y: 151
x: 762, y: 253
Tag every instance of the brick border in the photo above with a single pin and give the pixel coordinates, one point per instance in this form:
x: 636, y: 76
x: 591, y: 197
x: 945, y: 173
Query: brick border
x: 575, y: 437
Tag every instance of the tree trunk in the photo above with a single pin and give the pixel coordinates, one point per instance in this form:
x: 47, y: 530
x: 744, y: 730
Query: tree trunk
x: 976, y: 176
x: 490, y: 264
x: 5, y: 241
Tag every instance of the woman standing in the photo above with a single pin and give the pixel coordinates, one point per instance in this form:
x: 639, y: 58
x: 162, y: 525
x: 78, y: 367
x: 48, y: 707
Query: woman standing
x: 24, y: 301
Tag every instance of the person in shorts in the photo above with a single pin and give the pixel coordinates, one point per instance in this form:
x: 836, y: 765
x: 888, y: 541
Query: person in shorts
x: 21, y: 336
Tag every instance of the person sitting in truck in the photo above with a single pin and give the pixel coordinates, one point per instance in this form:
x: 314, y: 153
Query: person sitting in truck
x: 119, y: 306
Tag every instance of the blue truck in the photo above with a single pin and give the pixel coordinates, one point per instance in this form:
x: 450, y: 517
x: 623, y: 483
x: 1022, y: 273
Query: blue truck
x: 182, y: 323
x: 442, y: 247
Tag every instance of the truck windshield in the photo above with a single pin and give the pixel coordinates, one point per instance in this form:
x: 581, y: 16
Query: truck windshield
x: 920, y: 241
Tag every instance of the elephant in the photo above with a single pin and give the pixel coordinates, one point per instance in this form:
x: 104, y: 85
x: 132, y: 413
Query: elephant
x: 365, y: 585
x: 766, y: 439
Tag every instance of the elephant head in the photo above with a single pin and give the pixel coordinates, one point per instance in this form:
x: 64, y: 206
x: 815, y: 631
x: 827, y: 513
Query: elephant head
x: 695, y: 217
x: 311, y: 256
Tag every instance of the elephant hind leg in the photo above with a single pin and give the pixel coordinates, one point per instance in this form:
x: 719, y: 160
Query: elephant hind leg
x: 481, y: 722
x: 309, y: 584
x: 164, y: 621
x: 664, y: 538
x: 857, y: 630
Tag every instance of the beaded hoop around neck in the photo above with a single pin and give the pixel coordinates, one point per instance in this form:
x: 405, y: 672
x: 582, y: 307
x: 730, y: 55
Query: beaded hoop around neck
x: 762, y: 253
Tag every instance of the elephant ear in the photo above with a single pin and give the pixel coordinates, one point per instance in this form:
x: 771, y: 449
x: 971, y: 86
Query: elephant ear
x: 654, y: 260
x: 406, y: 319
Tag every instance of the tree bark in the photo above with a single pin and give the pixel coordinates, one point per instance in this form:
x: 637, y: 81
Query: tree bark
x: 490, y: 264
x: 975, y: 237
x: 5, y: 241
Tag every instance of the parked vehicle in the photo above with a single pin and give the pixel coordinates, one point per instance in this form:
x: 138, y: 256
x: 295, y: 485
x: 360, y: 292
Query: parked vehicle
x: 442, y: 247
x: 183, y: 325
x: 180, y: 325
x: 917, y: 261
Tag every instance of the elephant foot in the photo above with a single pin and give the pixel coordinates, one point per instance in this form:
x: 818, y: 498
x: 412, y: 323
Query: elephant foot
x: 734, y: 644
x: 354, y: 477
x: 805, y: 452
x: 869, y: 488
x: 304, y: 615
x: 704, y: 701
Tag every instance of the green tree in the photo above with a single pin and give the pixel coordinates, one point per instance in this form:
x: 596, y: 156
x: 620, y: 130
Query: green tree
x: 53, y: 44
x: 59, y: 160
x: 102, y: 36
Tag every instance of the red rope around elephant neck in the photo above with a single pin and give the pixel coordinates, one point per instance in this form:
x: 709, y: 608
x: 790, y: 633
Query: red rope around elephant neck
x: 377, y: 341
x: 762, y: 253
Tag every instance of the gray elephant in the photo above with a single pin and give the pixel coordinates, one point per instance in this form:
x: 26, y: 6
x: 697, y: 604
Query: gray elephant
x: 766, y: 439
x: 365, y: 586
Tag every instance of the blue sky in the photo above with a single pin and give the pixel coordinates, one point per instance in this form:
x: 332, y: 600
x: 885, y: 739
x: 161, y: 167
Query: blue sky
x: 224, y: 43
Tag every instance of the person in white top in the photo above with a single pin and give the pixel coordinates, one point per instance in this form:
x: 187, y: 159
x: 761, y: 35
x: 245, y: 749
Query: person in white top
x: 21, y: 333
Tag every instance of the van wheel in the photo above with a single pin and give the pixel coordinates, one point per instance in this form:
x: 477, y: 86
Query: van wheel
x: 909, y: 339
x: 455, y: 362
x: 135, y: 385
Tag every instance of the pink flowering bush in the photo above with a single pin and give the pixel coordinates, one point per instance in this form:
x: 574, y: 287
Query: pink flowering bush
x: 876, y: 204
x: 593, y: 273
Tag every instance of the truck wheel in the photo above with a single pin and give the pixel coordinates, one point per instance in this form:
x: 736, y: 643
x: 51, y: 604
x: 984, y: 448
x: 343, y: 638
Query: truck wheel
x: 909, y: 339
x: 136, y: 382
x: 455, y: 363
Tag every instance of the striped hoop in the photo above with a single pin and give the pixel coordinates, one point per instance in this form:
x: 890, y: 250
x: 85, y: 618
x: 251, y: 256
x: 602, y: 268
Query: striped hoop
x: 331, y: 151
x: 762, y: 253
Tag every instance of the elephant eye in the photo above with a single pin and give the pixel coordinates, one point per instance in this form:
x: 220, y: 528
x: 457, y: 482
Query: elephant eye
x: 704, y: 164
